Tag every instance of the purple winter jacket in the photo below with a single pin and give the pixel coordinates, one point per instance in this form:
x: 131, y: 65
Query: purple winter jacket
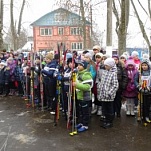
x: 131, y: 90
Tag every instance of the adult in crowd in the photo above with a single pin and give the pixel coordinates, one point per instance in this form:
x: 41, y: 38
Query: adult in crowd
x: 96, y: 49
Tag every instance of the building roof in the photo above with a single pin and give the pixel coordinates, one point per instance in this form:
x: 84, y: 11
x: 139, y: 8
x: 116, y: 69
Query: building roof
x: 59, y: 17
x: 27, y: 46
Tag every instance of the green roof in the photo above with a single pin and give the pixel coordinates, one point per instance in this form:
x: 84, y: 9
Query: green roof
x: 59, y: 17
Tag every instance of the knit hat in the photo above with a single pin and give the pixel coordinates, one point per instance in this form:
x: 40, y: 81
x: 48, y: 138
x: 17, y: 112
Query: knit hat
x: 130, y: 61
x: 69, y: 60
x: 99, y: 54
x: 145, y: 57
x: 83, y: 63
x: 123, y: 56
x: 109, y: 62
x: 49, y: 56
x: 97, y: 47
x: 134, y: 54
x: 56, y: 56
x: 115, y: 56
x: 88, y: 55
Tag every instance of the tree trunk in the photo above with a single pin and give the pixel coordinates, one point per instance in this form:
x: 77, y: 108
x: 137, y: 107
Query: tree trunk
x: 1, y: 24
x: 109, y: 28
x: 15, y: 33
x: 19, y: 23
x: 123, y: 26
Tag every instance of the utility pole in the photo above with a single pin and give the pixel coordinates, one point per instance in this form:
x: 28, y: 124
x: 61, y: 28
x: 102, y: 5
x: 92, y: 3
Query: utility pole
x: 109, y: 28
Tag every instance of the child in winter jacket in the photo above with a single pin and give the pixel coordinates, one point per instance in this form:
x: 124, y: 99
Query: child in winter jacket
x: 108, y: 87
x: 19, y: 78
x: 143, y: 83
x: 130, y: 93
x: 83, y: 87
x: 50, y: 82
x: 4, y: 79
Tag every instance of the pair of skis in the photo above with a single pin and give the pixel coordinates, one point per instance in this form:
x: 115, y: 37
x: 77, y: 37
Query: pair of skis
x: 72, y: 117
x: 73, y: 105
x: 58, y: 87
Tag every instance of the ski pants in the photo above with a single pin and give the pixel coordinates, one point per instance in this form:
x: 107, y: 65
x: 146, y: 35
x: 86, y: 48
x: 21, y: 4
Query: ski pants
x: 108, y: 110
x: 84, y: 112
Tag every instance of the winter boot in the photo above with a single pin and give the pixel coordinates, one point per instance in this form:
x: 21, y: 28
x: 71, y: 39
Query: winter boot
x: 128, y: 111
x: 132, y: 110
x: 99, y: 112
x: 10, y: 93
x: 94, y: 109
x: 109, y: 121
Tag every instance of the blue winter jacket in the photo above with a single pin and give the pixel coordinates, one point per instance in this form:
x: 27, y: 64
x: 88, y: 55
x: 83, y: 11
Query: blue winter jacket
x: 48, y: 72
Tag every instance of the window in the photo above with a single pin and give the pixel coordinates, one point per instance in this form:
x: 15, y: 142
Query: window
x: 60, y: 31
x: 45, y: 31
x: 77, y: 46
x: 76, y: 31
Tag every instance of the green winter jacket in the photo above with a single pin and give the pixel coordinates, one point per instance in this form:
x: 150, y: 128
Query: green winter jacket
x: 84, y: 85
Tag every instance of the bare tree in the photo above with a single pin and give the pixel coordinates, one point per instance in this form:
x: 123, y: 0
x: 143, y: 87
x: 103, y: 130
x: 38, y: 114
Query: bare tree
x: 122, y: 21
x: 142, y: 28
x: 1, y: 24
x: 14, y: 30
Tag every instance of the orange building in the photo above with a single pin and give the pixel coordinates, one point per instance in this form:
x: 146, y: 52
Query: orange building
x: 59, y: 26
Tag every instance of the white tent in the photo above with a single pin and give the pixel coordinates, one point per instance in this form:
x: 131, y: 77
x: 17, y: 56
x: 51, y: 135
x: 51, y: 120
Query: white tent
x: 27, y: 46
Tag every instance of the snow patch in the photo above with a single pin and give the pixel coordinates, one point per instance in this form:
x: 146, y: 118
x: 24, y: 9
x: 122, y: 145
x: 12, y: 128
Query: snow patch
x: 25, y: 139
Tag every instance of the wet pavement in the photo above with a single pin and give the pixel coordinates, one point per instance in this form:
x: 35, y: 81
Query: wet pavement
x: 25, y: 129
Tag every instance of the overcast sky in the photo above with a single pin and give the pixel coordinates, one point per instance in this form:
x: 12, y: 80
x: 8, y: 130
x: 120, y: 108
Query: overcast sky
x: 37, y: 8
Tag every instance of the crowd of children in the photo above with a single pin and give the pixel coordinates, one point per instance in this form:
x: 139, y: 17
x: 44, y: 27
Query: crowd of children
x: 110, y: 79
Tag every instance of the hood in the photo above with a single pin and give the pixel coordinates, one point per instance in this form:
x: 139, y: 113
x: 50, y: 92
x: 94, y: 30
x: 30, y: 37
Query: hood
x: 147, y: 62
x: 130, y: 62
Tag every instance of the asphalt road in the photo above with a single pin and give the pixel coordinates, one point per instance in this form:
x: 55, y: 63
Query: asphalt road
x: 26, y: 129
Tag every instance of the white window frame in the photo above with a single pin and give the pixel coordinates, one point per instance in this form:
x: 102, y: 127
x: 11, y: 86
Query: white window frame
x: 76, y: 31
x: 77, y: 45
x: 45, y: 31
x: 60, y: 30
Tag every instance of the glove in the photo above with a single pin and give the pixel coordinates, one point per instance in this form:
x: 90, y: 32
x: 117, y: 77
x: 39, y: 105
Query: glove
x: 59, y: 77
x: 139, y: 88
x: 42, y: 70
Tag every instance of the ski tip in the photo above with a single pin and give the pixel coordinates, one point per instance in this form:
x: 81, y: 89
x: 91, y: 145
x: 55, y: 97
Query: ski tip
x: 75, y: 132
x: 71, y: 134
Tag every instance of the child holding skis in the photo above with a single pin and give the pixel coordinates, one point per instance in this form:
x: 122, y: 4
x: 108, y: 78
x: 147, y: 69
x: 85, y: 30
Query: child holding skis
x: 50, y: 82
x: 143, y: 83
x: 83, y: 87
